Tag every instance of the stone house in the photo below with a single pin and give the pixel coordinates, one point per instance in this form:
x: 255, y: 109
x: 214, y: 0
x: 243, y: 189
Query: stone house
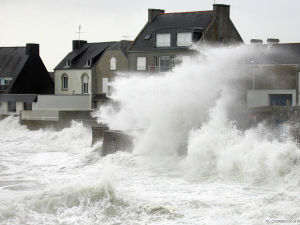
x: 167, y: 37
x: 81, y: 82
x: 88, y: 69
x: 23, y: 76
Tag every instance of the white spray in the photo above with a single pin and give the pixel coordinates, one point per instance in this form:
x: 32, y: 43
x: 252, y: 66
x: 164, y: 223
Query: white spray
x: 192, y: 107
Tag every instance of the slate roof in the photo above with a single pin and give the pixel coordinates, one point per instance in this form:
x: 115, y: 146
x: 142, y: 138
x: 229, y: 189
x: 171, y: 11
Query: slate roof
x: 12, y: 61
x: 171, y: 21
x: 78, y: 57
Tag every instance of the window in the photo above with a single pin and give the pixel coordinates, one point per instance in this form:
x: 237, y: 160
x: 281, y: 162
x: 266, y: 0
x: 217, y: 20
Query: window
x: 163, y: 40
x: 85, y: 84
x: 64, y: 80
x: 68, y: 63
x: 184, y: 39
x: 2, y: 81
x: 164, y: 63
x: 105, y: 85
x: 281, y: 99
x: 113, y: 63
x: 88, y: 63
x: 147, y: 37
x: 12, y: 106
x: 27, y: 106
x: 141, y: 63
x: 5, y: 81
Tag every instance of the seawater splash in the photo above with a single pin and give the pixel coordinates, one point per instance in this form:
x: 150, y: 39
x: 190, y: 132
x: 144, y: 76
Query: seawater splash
x: 228, y: 176
x: 197, y: 108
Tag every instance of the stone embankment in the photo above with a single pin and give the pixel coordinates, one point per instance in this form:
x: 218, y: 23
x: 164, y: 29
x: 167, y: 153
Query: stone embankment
x: 112, y: 140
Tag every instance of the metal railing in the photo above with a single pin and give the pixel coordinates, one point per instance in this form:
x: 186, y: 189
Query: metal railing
x: 159, y: 69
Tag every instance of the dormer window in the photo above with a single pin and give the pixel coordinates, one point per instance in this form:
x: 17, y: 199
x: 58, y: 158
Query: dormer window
x: 184, y: 39
x: 68, y: 63
x: 163, y: 40
x: 5, y: 81
x: 88, y: 63
x: 147, y: 37
x: 113, y: 63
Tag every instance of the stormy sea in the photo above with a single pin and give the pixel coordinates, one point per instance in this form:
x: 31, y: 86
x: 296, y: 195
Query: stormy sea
x: 193, y: 160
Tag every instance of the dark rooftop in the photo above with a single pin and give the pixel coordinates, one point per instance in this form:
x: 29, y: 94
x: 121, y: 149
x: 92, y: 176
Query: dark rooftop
x: 12, y: 60
x: 171, y: 21
x: 78, y: 58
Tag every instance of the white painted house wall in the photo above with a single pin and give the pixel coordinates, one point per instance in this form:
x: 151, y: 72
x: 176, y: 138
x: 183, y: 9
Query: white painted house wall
x: 261, y: 98
x: 4, y: 108
x: 74, y: 81
x: 63, y: 102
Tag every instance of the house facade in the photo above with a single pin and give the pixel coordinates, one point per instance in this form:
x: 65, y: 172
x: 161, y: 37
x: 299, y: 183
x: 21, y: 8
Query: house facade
x: 166, y: 38
x: 81, y: 82
x: 89, y: 68
x: 273, y: 86
x: 23, y: 76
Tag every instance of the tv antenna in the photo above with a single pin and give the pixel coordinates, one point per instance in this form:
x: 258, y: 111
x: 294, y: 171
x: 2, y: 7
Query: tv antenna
x: 79, y: 32
x: 126, y: 37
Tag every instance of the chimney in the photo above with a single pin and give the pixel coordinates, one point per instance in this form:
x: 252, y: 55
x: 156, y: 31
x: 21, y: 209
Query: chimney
x: 221, y: 11
x: 32, y: 49
x: 256, y: 41
x: 152, y: 13
x: 77, y: 44
x: 271, y: 41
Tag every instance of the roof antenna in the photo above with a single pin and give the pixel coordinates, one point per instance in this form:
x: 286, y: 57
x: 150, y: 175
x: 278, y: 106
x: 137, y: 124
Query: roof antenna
x: 79, y: 32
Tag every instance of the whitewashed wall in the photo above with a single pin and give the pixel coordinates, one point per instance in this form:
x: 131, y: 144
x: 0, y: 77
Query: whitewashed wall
x: 261, y: 98
x: 74, y: 81
x: 63, y: 102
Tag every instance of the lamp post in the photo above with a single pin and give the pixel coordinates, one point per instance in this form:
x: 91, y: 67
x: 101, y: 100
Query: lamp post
x: 253, y: 80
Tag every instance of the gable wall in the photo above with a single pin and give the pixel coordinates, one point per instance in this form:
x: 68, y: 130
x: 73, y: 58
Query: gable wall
x: 74, y: 81
x: 103, y: 68
x: 222, y: 31
x: 33, y: 79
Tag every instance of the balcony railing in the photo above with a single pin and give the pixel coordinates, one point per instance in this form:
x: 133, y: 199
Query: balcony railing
x: 159, y: 69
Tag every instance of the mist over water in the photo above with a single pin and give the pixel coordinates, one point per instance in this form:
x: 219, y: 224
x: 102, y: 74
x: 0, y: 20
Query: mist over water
x: 227, y: 175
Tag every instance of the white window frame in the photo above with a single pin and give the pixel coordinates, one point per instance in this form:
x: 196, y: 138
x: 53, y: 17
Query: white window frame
x: 88, y: 63
x: 184, y: 39
x: 105, y: 85
x: 68, y: 63
x: 64, y: 82
x: 141, y: 63
x: 85, y: 84
x: 113, y: 63
x: 163, y: 40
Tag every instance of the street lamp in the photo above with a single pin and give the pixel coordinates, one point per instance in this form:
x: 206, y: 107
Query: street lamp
x: 253, y: 81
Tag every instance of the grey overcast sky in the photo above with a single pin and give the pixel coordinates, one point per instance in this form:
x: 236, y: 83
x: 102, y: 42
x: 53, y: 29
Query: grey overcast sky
x: 52, y: 23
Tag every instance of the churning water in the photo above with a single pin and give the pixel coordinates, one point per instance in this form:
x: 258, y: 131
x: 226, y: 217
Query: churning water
x: 227, y: 176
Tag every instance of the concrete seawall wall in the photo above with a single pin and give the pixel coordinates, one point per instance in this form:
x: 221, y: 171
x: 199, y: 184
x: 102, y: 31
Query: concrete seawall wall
x: 98, y: 133
x: 116, y: 141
